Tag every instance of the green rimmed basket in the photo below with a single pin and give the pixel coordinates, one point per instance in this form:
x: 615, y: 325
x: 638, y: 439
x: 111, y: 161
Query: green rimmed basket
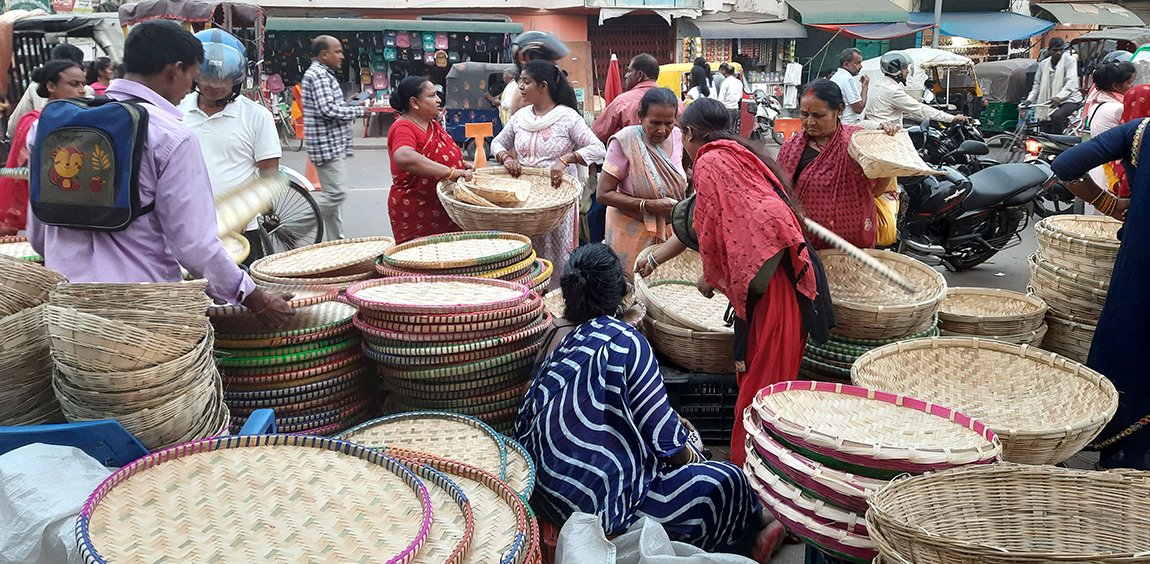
x: 292, y: 358
x: 456, y: 250
x: 352, y: 373
x: 303, y: 326
x: 436, y: 294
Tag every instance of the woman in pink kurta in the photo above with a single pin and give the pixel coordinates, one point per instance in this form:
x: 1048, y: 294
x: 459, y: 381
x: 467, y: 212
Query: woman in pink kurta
x: 549, y: 133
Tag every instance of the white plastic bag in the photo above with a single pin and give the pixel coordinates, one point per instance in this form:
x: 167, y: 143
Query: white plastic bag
x: 582, y: 541
x: 42, y: 489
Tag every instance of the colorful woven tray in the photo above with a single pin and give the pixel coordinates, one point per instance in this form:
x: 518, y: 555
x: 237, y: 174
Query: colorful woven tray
x: 423, y: 328
x: 544, y: 273
x: 419, y: 362
x: 457, y: 390
x: 303, y: 295
x: 400, y: 338
x: 460, y: 372
x: 394, y: 404
x: 538, y: 327
x: 453, y: 528
x: 873, y: 433
x: 331, y: 256
x: 339, y: 332
x: 20, y: 248
x: 510, y: 370
x: 503, y: 532
x: 441, y: 404
x: 386, y: 270
x: 143, y: 510
x: 307, y: 322
x: 349, y: 374
x: 304, y: 404
x: 292, y: 358
x: 224, y: 352
x: 296, y: 375
x: 438, y: 433
x: 436, y: 294
x: 533, y: 303
x: 520, y: 469
x: 817, y: 509
x: 457, y: 250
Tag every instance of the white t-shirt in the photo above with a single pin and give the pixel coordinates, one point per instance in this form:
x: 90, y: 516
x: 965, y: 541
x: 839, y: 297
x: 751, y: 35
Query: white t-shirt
x: 233, y: 140
x: 731, y: 92
x: 852, y: 93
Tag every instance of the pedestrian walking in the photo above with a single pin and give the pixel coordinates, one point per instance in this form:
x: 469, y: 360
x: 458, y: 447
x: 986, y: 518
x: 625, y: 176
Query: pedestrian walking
x: 731, y: 94
x: 327, y: 118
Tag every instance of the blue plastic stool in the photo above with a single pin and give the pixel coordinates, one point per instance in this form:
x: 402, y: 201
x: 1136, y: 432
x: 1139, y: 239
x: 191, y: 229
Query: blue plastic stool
x: 107, y: 440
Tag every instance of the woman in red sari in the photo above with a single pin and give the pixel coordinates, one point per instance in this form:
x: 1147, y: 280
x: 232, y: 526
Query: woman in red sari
x: 422, y: 154
x: 753, y: 250
x: 827, y: 180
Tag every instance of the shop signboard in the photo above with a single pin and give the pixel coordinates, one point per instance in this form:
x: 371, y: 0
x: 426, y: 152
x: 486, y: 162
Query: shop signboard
x: 29, y: 5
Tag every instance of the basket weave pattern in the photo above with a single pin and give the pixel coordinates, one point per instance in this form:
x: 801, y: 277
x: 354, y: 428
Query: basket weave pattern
x: 544, y: 209
x: 868, y: 306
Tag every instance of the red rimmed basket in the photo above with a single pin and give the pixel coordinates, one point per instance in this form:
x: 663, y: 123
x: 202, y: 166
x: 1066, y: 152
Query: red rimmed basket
x: 303, y: 295
x: 399, y: 338
x: 876, y: 434
x: 532, y: 303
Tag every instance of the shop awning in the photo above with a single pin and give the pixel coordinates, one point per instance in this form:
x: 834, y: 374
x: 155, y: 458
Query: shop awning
x: 369, y: 24
x: 1107, y: 15
x: 874, y: 31
x: 847, y: 11
x: 986, y: 26
x: 735, y: 27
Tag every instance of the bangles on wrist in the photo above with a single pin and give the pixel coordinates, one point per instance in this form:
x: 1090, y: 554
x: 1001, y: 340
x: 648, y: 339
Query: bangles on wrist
x: 651, y: 261
x: 1105, y: 202
x: 643, y: 206
x: 450, y: 175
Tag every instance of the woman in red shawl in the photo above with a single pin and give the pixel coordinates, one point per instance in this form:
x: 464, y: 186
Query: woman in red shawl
x: 829, y: 183
x: 1135, y: 105
x: 753, y: 251
x: 422, y: 154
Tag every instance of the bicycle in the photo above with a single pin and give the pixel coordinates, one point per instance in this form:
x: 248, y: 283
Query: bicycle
x: 294, y: 219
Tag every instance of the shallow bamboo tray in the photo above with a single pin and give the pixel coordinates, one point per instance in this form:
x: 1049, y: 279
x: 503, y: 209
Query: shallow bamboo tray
x: 989, y: 311
x: 1033, y: 338
x: 868, y: 306
x: 1013, y: 514
x: 887, y: 156
x: 320, y: 259
x: 19, y: 247
x: 1044, y: 408
x: 544, y: 209
x: 448, y: 435
x: 313, y: 499
x: 1065, y: 295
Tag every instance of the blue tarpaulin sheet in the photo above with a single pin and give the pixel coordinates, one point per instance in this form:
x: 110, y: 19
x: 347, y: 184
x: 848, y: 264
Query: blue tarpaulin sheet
x: 986, y: 26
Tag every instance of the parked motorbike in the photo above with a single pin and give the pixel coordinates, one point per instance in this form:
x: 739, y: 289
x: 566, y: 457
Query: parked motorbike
x: 939, y: 146
x: 766, y: 110
x: 964, y: 220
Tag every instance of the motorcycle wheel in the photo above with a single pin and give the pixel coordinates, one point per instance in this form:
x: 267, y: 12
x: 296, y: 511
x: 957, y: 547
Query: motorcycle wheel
x: 777, y: 136
x: 755, y: 135
x: 959, y: 264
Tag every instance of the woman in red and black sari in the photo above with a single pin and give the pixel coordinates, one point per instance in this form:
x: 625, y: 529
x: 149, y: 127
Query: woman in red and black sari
x: 422, y: 154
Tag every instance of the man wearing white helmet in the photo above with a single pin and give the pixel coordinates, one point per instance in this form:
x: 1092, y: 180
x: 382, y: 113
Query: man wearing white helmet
x: 888, y: 100
x: 237, y: 136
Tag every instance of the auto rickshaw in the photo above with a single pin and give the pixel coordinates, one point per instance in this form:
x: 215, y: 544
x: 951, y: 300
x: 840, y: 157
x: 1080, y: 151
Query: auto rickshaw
x: 466, y: 102
x: 34, y: 36
x: 677, y: 76
x: 1093, y: 47
x: 1004, y: 84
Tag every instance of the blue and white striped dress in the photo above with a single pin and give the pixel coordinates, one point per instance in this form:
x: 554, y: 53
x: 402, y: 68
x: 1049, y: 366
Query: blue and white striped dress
x: 597, y: 421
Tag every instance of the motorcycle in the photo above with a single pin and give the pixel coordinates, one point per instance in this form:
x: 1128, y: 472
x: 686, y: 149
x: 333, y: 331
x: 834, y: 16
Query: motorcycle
x: 766, y: 110
x: 964, y: 220
x: 1029, y: 143
x: 938, y: 146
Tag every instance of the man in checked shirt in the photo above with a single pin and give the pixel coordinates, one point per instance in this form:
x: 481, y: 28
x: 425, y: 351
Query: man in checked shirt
x: 327, y: 118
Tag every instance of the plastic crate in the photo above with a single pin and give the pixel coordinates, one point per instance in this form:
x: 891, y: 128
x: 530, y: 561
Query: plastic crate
x: 707, y: 401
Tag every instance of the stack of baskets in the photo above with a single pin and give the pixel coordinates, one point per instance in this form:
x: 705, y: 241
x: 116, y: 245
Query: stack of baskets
x: 1071, y: 271
x: 336, y: 263
x: 19, y: 247
x: 871, y: 311
x: 681, y: 323
x: 545, y: 208
x: 311, y: 371
x: 26, y: 396
x: 390, y: 495
x: 988, y: 313
x: 140, y: 354
x: 448, y: 255
x: 1013, y: 514
x: 817, y: 451
x: 1043, y: 407
x: 452, y: 343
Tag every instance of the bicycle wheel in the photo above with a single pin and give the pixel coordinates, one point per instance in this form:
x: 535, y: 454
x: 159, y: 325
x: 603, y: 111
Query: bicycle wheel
x: 293, y: 221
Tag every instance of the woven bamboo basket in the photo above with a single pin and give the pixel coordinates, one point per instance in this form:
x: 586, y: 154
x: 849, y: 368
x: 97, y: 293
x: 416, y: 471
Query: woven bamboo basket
x: 1064, y: 294
x: 90, y: 342
x: 326, y: 261
x: 178, y: 297
x: 988, y: 311
x: 544, y: 209
x: 887, y: 156
x: 1033, y: 338
x: 1081, y: 235
x: 1094, y: 266
x: 28, y: 277
x: 1044, y: 408
x: 868, y: 306
x: 632, y: 315
x: 1013, y: 514
x: 702, y: 351
x: 1069, y: 336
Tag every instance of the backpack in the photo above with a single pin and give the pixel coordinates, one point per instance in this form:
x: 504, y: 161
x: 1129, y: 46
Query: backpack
x: 85, y: 164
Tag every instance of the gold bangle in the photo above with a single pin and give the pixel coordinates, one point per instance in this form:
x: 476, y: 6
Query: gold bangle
x: 564, y: 161
x: 450, y: 174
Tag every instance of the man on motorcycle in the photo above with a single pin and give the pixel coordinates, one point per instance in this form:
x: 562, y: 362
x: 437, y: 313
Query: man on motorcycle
x: 1056, y: 82
x: 889, y: 101
x: 237, y: 136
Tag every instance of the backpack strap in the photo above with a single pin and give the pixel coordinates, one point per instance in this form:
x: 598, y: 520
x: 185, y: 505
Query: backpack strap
x: 1136, y: 147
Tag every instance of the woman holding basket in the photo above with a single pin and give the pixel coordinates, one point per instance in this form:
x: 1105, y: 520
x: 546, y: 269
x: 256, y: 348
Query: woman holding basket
x: 549, y: 133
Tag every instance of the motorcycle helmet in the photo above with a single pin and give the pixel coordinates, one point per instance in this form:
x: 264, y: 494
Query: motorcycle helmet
x: 537, y: 45
x: 1118, y: 57
x: 223, y: 62
x: 893, y: 63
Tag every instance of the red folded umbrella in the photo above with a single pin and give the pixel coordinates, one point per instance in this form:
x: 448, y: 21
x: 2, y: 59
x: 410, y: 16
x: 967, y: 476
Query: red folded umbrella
x: 614, y: 84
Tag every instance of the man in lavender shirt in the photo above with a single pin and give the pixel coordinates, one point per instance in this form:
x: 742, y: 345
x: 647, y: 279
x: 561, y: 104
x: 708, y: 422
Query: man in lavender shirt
x: 162, y: 61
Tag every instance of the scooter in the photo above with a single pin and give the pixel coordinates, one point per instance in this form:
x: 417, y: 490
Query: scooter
x: 964, y: 220
x: 765, y: 109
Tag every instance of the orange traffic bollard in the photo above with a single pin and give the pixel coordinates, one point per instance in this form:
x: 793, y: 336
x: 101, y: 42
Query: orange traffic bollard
x: 479, y: 132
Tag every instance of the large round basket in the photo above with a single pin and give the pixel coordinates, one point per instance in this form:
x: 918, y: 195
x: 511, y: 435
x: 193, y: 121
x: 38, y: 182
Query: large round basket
x: 544, y: 209
x: 253, y: 496
x: 868, y: 306
x: 873, y: 433
x: 1044, y: 408
x: 989, y: 311
x: 1079, y: 296
x: 1086, y: 243
x: 1013, y: 514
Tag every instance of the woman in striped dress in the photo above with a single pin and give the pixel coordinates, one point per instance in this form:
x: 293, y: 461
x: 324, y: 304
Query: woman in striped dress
x: 605, y: 439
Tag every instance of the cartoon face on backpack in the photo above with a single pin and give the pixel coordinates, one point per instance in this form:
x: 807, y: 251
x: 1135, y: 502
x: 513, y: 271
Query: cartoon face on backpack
x: 66, y: 164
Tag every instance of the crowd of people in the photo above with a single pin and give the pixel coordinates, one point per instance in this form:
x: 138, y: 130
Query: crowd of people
x: 671, y: 173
